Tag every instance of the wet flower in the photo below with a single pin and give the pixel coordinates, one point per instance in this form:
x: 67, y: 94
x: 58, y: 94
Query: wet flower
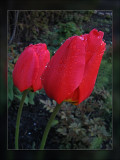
x: 72, y: 71
x: 30, y: 66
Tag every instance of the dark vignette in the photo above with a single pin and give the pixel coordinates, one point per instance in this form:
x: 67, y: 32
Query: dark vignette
x: 97, y: 155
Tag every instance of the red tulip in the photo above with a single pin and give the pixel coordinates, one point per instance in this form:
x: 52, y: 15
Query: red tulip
x: 72, y: 71
x: 30, y: 66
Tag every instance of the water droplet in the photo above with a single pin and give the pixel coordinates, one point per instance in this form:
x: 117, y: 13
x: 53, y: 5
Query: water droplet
x: 45, y: 66
x: 99, y: 37
x: 34, y: 124
x: 62, y: 42
x: 29, y: 133
x: 82, y: 38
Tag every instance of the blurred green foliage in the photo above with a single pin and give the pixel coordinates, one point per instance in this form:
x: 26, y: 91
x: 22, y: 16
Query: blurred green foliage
x: 104, y: 78
x: 67, y: 30
x: 14, y: 93
x: 50, y: 27
x: 88, y: 125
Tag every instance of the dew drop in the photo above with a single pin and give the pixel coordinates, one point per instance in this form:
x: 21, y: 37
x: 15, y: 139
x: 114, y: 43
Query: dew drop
x: 99, y: 37
x: 29, y: 133
x: 62, y: 42
x: 82, y: 38
x: 34, y: 124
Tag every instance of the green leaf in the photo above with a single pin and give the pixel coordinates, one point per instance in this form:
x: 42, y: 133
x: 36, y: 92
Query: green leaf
x: 26, y: 100
x: 42, y: 101
x: 55, y: 122
x: 10, y: 87
x: 31, y: 97
x: 9, y: 103
x: 62, y: 131
x: 18, y: 96
x: 33, y: 145
x: 96, y: 143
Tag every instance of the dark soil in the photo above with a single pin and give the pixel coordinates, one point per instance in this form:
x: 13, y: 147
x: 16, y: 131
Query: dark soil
x: 33, y: 121
x: 35, y: 117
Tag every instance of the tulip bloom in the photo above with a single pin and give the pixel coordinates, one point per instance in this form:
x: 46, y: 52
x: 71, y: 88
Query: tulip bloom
x: 72, y: 71
x: 30, y: 66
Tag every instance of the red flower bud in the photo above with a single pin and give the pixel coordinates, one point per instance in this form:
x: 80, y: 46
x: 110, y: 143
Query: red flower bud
x: 30, y: 66
x: 72, y: 71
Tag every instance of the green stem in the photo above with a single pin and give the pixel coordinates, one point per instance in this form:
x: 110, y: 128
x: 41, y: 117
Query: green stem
x: 18, y: 118
x: 47, y: 129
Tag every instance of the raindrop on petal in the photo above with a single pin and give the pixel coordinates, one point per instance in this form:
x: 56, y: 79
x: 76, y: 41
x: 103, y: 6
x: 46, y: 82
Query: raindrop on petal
x: 82, y: 38
x: 99, y: 37
x: 62, y: 42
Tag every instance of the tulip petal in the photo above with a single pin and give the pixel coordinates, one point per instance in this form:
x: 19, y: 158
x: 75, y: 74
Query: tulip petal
x: 90, y: 75
x: 93, y: 45
x: 43, y: 59
x: 30, y: 66
x: 88, y: 82
x: 25, y: 68
x: 65, y: 70
x: 94, y: 51
x: 95, y: 48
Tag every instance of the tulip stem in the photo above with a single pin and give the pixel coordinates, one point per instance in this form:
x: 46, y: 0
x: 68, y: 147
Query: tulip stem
x: 18, y: 118
x: 47, y: 129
